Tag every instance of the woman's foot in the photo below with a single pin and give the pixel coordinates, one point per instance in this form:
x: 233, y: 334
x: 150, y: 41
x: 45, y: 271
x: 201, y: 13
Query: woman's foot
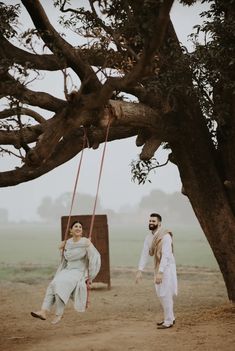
x: 39, y: 314
x: 56, y: 320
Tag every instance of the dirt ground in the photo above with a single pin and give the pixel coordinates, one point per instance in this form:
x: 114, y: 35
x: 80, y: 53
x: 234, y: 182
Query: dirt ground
x: 123, y: 318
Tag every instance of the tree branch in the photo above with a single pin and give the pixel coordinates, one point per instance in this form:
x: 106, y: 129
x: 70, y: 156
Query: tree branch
x: 63, y: 153
x: 153, y: 44
x: 143, y: 66
x: 112, y: 33
x: 58, y: 137
x: 57, y: 44
x: 30, y: 135
x: 22, y: 111
x: 51, y: 62
x: 42, y: 62
x: 9, y: 86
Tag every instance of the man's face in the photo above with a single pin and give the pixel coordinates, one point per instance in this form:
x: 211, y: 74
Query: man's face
x: 153, y: 223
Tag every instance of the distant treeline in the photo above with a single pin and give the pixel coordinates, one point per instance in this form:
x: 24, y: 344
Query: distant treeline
x: 174, y: 208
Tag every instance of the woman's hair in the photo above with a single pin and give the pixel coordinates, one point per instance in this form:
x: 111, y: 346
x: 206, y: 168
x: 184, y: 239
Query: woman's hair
x: 74, y: 222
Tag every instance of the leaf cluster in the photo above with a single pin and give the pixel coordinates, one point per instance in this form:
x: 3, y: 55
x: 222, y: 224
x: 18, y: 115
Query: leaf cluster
x: 213, y: 62
x: 9, y: 19
x: 140, y: 170
x: 122, y: 25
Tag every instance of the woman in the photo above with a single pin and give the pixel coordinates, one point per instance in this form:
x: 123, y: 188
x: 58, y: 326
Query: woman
x: 71, y: 279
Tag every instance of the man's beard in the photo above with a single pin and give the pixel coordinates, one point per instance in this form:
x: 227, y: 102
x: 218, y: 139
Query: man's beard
x: 153, y: 227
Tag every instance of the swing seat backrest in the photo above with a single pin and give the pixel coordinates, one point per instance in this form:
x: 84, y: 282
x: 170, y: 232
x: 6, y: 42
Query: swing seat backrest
x: 100, y: 239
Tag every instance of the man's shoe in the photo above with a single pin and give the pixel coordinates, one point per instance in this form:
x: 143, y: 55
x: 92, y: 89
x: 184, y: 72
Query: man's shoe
x: 163, y: 326
x: 161, y: 323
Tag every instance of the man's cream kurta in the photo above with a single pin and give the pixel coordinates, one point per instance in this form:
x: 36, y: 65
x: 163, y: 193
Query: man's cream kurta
x: 167, y: 265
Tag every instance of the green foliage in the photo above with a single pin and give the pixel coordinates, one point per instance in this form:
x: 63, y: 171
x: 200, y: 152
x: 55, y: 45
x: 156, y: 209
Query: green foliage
x: 140, y: 169
x: 51, y: 209
x: 8, y: 19
x: 188, y: 2
x: 210, y: 67
x: 213, y: 61
x: 123, y: 26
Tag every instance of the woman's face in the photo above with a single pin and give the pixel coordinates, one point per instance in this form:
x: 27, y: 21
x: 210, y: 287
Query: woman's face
x: 76, y: 229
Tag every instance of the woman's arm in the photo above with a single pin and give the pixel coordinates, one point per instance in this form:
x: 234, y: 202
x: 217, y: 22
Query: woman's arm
x: 62, y: 245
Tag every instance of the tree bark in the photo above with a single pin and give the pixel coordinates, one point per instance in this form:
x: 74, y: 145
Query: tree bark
x: 205, y: 189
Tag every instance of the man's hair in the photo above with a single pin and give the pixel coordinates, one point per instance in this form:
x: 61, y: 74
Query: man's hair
x: 156, y: 215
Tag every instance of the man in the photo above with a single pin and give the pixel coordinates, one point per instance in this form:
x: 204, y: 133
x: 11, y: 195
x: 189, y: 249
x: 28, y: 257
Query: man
x: 159, y: 244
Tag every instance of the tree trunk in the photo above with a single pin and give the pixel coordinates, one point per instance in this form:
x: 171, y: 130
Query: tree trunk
x: 205, y: 189
x: 218, y: 224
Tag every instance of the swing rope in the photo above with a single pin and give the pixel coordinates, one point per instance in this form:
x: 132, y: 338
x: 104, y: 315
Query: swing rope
x: 88, y: 283
x: 99, y: 179
x: 85, y: 141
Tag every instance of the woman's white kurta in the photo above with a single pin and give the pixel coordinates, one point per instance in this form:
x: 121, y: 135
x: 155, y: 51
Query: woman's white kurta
x: 81, y: 260
x: 167, y: 265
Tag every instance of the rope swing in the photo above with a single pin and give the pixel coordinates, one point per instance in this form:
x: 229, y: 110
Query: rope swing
x: 99, y: 179
x: 85, y: 142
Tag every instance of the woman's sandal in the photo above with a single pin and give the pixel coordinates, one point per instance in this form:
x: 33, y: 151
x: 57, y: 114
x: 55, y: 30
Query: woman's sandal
x: 37, y: 315
x: 56, y: 320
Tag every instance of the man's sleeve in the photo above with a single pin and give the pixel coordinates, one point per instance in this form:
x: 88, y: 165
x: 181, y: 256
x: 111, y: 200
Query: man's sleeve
x: 144, y: 257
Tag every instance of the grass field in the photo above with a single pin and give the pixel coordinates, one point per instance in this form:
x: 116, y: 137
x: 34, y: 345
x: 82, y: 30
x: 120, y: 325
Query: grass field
x: 36, y: 244
x: 190, y: 247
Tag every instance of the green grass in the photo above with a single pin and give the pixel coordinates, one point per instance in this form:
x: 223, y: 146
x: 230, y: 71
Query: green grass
x: 29, y: 243
x: 23, y: 273
x: 31, y: 250
x: 190, y: 247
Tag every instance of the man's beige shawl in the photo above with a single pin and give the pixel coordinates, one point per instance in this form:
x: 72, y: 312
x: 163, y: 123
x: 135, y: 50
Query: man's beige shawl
x: 156, y: 247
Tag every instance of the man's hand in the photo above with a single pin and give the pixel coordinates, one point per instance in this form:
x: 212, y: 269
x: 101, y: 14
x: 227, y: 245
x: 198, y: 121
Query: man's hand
x: 158, y: 278
x: 138, y: 277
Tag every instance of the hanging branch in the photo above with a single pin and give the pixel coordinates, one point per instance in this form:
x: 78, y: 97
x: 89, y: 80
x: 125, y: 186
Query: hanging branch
x: 9, y: 152
x: 140, y: 169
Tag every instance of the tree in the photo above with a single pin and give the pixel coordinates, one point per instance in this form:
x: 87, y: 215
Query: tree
x: 50, y: 210
x: 182, y: 100
x: 174, y: 207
